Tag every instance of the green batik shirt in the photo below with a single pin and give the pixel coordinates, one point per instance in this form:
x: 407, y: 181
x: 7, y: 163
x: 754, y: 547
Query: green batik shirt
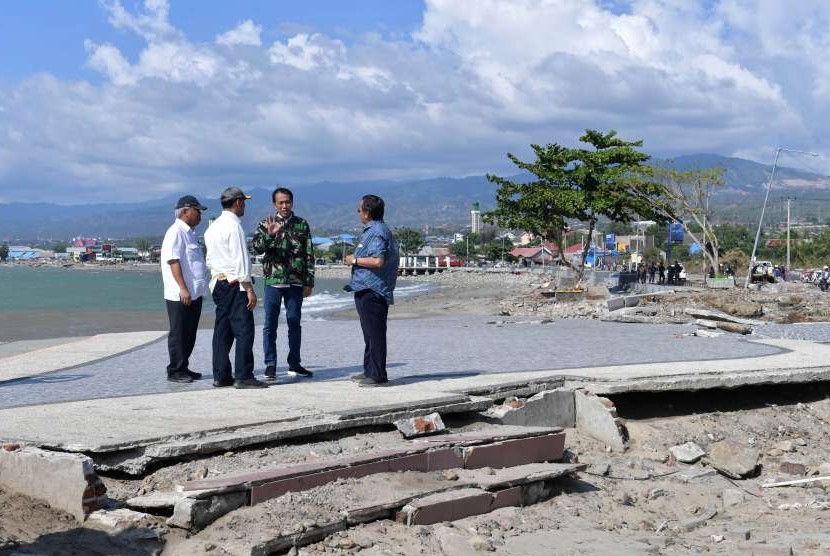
x: 288, y: 257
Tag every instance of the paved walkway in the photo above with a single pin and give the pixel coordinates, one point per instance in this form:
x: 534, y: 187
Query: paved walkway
x: 26, y: 359
x: 424, y: 348
x: 441, y: 362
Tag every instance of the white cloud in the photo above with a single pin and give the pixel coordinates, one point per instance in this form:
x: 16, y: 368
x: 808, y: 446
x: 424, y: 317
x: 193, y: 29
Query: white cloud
x: 307, y: 51
x: 475, y: 81
x: 245, y: 34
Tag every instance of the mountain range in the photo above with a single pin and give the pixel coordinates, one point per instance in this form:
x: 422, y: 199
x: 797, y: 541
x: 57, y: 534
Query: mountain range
x: 330, y: 207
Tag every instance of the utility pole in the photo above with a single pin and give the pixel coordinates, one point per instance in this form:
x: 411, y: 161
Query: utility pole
x: 789, y: 199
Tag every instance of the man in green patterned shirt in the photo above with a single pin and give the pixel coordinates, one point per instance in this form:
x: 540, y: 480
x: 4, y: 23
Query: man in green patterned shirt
x: 284, y: 241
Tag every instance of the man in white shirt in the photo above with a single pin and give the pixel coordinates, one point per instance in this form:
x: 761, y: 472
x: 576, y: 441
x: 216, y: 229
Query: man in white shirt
x: 184, y: 275
x: 233, y: 294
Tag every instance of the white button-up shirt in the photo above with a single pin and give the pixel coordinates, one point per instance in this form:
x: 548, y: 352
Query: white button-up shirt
x: 227, y: 250
x: 180, y: 244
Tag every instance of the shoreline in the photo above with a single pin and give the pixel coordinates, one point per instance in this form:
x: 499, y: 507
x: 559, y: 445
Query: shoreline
x: 449, y: 293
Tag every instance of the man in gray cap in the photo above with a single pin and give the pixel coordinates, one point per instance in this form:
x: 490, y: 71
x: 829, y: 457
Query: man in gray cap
x: 233, y: 294
x: 184, y: 276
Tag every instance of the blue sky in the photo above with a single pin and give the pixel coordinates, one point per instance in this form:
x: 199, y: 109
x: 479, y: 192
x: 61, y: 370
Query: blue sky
x: 52, y: 33
x: 133, y: 99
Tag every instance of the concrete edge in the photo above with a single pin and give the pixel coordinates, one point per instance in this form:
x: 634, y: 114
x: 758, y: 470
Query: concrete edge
x: 159, y: 335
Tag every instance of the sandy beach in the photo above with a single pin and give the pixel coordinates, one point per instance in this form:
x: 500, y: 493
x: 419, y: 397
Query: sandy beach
x: 457, y: 292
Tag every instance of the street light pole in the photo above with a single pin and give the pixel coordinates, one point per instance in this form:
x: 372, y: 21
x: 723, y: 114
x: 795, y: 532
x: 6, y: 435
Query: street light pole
x: 789, y: 199
x: 764, y: 207
x: 502, y: 251
x: 467, y: 241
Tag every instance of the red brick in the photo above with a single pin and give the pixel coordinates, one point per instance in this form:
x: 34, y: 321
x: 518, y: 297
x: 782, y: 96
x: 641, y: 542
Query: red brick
x: 266, y: 491
x: 447, y: 506
x: 793, y: 468
x: 279, y: 473
x: 511, y: 453
x: 507, y: 497
x: 447, y: 458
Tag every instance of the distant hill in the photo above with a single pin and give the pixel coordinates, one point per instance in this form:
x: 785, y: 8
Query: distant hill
x: 330, y: 206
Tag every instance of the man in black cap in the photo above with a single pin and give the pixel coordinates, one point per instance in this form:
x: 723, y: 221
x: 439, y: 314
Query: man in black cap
x: 184, y: 275
x: 233, y: 293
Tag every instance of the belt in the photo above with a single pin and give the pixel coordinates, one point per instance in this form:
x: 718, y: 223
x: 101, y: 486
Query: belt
x: 223, y: 278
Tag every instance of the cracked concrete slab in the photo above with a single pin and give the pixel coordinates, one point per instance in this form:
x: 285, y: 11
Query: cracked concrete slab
x: 170, y: 425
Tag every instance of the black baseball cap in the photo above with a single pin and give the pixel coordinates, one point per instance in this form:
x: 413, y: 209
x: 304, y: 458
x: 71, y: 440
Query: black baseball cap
x: 189, y: 201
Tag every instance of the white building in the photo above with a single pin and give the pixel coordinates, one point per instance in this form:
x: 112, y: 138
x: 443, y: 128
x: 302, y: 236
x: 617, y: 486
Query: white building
x: 475, y: 215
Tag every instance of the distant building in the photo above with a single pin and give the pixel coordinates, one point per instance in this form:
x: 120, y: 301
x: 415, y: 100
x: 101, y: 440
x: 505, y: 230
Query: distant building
x: 475, y: 215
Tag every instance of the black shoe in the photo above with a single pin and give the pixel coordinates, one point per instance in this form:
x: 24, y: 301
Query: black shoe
x: 358, y: 378
x: 249, y: 383
x: 221, y: 384
x: 179, y: 376
x: 193, y: 375
x: 299, y: 370
x: 372, y: 383
x: 271, y: 372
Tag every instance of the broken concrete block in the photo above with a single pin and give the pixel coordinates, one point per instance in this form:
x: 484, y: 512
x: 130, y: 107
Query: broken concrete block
x: 687, y: 453
x: 120, y: 519
x: 596, y: 416
x: 196, y: 514
x: 698, y: 520
x: 419, y: 426
x: 66, y: 482
x: 717, y: 316
x: 785, y: 446
x: 615, y: 303
x: 694, y: 473
x: 734, y: 460
x: 545, y: 409
x: 154, y: 501
x: 446, y: 506
x: 732, y: 497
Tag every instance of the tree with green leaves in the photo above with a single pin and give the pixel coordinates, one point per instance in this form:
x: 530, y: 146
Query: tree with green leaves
x: 608, y: 179
x: 499, y: 249
x: 409, y: 240
x: 690, y: 192
x: 468, y: 247
x: 4, y: 252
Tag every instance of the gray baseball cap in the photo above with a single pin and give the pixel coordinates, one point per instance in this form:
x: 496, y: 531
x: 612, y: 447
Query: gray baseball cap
x: 232, y: 194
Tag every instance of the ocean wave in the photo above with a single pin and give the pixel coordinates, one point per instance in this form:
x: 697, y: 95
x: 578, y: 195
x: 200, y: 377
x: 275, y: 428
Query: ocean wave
x: 328, y: 301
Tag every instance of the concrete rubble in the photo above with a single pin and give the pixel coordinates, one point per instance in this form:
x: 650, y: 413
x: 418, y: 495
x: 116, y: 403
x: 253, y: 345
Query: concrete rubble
x: 734, y: 460
x: 207, y: 499
x: 412, y: 427
x: 66, y: 482
x: 597, y: 417
x: 687, y: 453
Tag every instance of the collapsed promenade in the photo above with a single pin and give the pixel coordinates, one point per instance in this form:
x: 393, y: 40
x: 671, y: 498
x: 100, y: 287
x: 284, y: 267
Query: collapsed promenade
x: 482, y: 374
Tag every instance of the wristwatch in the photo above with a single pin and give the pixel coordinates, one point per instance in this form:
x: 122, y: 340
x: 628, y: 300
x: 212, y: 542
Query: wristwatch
x: 354, y: 262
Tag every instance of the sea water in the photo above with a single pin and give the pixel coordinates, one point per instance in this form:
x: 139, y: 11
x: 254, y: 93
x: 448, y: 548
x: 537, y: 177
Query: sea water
x: 47, y: 302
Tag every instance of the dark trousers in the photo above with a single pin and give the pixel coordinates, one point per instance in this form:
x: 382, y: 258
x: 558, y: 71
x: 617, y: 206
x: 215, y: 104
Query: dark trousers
x: 234, y: 322
x: 292, y: 296
x: 373, y: 311
x: 184, y: 321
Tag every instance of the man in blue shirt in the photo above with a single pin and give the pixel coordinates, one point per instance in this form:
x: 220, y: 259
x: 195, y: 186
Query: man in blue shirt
x: 374, y: 273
